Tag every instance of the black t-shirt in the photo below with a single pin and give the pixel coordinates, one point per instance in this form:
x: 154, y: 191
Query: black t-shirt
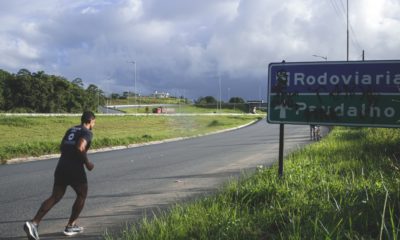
x: 70, y: 155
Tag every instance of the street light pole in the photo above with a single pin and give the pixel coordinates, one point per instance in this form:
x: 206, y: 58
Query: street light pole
x: 220, y: 93
x: 134, y: 88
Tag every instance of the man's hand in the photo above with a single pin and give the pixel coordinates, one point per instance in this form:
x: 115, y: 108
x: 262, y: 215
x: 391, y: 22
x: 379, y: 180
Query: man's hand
x: 82, y: 149
x: 89, y: 166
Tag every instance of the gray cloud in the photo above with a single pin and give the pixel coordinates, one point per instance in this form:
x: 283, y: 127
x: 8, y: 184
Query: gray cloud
x: 185, y: 46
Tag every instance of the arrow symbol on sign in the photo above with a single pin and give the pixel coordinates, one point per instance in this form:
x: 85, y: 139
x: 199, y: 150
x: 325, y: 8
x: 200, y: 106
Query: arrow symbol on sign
x: 282, y: 112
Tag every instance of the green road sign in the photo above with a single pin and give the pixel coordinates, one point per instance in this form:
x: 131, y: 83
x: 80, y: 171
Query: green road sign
x: 335, y: 93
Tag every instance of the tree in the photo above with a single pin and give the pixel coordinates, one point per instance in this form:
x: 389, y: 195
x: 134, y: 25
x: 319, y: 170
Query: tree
x: 210, y: 100
x: 39, y: 74
x: 206, y: 100
x: 125, y: 95
x: 60, y: 95
x: 75, y: 99
x: 236, y: 100
x: 92, y: 97
x: 40, y: 92
x: 24, y: 72
x: 115, y: 96
x: 78, y: 82
x: 4, y: 76
x: 20, y: 87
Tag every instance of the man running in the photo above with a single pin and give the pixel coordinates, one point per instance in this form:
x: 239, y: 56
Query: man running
x: 69, y: 172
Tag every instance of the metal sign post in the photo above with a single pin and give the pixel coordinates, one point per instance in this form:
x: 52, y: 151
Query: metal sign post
x: 281, y: 142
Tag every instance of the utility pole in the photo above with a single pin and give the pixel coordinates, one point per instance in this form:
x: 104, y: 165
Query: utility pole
x: 363, y: 55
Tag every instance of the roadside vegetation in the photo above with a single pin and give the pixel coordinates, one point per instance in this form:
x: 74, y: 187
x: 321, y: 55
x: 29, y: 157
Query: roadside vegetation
x: 190, y: 109
x: 34, y: 136
x: 347, y: 186
x: 30, y: 92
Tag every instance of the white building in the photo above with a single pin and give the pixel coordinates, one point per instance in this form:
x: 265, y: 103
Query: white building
x: 157, y: 94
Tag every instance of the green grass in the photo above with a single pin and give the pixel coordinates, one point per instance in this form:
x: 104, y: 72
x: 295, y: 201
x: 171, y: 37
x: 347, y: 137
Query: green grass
x: 35, y: 136
x: 346, y: 186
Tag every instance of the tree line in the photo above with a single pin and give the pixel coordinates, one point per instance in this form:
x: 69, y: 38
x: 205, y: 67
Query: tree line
x: 233, y: 103
x: 211, y: 100
x: 43, y: 93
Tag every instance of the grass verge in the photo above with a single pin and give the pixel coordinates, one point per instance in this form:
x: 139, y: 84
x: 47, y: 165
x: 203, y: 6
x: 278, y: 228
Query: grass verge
x: 346, y: 186
x: 34, y: 136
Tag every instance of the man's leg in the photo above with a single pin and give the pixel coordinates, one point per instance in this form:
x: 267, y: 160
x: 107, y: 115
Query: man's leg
x: 57, y: 194
x: 81, y: 193
x: 31, y: 227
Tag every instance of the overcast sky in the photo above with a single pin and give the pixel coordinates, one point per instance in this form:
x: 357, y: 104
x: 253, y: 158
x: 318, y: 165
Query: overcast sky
x: 187, y: 47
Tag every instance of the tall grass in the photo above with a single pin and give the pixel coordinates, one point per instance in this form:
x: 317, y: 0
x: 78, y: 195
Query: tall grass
x: 346, y: 186
x: 35, y: 136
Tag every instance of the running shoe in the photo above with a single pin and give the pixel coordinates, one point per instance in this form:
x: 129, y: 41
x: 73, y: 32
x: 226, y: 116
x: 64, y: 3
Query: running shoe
x: 72, y: 230
x: 31, y: 230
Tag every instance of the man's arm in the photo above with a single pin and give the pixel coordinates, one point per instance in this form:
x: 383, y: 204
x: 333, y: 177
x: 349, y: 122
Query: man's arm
x: 82, y: 143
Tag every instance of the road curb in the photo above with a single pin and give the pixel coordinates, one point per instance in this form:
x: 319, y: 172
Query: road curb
x: 107, y: 149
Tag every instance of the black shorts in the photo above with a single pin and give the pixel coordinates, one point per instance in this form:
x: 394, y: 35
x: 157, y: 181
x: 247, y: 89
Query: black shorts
x: 72, y: 176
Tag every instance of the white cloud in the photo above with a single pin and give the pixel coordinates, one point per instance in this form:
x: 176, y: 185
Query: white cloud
x: 18, y: 52
x: 130, y: 10
x: 89, y: 10
x: 180, y: 44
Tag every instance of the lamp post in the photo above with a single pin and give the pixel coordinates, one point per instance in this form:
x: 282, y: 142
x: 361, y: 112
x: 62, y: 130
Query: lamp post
x: 220, y: 93
x: 98, y: 100
x: 134, y: 88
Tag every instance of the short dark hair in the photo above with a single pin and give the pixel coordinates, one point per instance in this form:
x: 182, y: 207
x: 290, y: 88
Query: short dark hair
x: 87, y: 116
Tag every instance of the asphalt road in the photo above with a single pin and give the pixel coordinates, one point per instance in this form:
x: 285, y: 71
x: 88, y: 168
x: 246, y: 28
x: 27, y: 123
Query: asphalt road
x: 131, y: 183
